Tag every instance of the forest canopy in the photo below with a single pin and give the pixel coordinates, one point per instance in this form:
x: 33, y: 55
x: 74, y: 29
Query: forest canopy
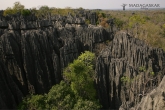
x: 76, y: 91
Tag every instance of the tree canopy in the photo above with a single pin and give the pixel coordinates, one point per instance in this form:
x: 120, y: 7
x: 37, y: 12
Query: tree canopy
x: 80, y: 75
x: 76, y: 91
x: 17, y: 8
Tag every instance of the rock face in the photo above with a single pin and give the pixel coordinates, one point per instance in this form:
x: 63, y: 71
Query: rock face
x: 34, y: 51
x: 155, y: 100
x: 32, y: 58
x: 10, y: 94
x: 126, y: 70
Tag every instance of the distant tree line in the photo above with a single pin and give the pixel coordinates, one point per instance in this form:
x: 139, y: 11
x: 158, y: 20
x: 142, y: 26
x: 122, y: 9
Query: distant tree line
x: 145, y: 25
x: 17, y: 8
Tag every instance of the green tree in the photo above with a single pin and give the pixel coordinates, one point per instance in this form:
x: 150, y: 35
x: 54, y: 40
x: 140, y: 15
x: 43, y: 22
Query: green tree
x: 136, y: 19
x: 80, y: 74
x: 17, y: 8
x: 75, y: 92
x: 8, y: 11
x: 119, y: 23
x: 44, y: 9
x: 34, y: 102
x: 86, y: 105
x: 25, y: 12
x: 60, y: 97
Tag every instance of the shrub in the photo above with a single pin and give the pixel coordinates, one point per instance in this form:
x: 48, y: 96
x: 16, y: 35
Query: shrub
x: 87, y: 21
x: 136, y: 19
x: 142, y: 69
x: 25, y: 12
x: 119, y: 23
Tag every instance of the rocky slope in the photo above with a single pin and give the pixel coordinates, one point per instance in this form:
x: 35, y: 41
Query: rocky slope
x: 34, y: 51
x: 10, y: 94
x: 126, y: 70
x: 155, y: 100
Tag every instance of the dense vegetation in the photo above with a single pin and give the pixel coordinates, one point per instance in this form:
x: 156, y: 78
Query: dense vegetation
x: 148, y: 25
x: 76, y: 91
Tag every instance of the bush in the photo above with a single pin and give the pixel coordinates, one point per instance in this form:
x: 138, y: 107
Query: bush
x: 119, y: 23
x: 136, y: 19
x: 25, y: 12
x: 87, y: 21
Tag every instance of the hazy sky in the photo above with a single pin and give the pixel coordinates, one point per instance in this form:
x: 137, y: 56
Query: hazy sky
x: 87, y: 4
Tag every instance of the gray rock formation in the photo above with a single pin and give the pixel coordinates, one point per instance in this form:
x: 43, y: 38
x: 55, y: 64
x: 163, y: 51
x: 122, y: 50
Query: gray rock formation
x: 34, y: 51
x: 35, y: 58
x: 10, y: 94
x: 155, y: 100
x: 124, y: 70
x: 3, y: 24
